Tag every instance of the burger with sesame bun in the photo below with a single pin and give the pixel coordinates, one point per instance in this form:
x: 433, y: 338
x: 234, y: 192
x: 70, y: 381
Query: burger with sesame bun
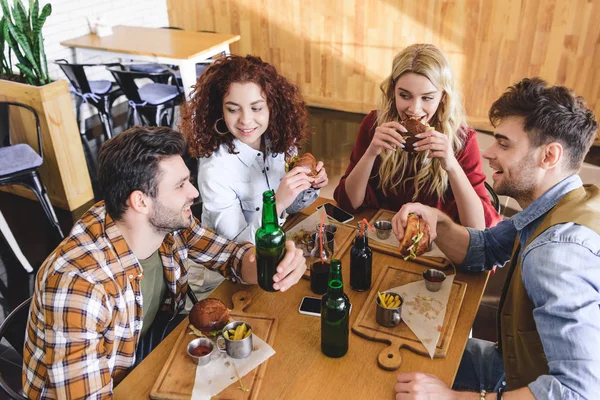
x: 209, y: 317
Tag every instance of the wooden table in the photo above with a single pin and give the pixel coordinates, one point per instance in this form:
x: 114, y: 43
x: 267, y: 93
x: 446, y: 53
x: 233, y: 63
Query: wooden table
x: 299, y: 370
x: 166, y: 46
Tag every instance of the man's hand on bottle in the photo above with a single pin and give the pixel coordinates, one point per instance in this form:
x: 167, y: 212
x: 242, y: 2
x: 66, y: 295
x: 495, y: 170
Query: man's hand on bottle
x: 290, y: 269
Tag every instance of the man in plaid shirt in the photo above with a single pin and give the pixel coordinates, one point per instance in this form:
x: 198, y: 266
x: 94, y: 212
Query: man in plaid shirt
x: 98, y: 292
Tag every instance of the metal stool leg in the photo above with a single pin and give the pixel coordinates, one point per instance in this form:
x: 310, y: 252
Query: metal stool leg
x: 5, y: 229
x: 42, y: 195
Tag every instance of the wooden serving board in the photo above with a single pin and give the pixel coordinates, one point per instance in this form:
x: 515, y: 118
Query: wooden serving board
x: 386, y: 215
x: 343, y: 237
x: 176, y: 379
x: 401, y: 336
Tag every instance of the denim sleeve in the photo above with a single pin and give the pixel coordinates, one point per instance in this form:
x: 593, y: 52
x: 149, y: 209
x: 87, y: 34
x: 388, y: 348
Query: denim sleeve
x: 561, y: 273
x: 304, y: 199
x: 490, y: 247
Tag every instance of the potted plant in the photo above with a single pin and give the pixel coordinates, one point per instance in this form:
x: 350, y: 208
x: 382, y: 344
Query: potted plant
x: 24, y: 79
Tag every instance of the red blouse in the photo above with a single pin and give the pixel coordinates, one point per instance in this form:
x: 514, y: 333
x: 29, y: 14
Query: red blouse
x: 469, y: 159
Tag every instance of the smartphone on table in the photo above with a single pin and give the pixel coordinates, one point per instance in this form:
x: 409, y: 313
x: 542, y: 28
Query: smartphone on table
x: 312, y: 306
x: 336, y: 213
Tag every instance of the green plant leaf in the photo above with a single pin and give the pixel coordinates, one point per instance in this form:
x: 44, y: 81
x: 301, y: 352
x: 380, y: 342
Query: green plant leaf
x: 29, y: 75
x: 5, y: 9
x: 34, y: 9
x: 39, y: 23
x: 24, y: 45
x: 44, y: 62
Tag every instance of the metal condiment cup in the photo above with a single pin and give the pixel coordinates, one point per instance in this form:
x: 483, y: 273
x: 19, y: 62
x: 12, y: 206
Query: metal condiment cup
x: 236, y: 348
x: 389, y: 317
x: 434, y: 279
x: 383, y: 229
x: 200, y: 360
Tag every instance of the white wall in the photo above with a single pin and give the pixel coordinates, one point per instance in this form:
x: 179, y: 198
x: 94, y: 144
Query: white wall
x: 68, y: 21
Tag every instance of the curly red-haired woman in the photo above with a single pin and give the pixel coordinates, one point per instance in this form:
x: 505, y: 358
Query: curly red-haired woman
x: 243, y: 121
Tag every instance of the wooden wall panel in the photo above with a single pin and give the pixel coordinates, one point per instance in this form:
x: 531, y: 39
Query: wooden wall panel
x: 339, y: 51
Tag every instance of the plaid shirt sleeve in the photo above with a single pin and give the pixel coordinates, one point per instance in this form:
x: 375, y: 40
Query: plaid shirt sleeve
x: 215, y: 252
x: 71, y: 313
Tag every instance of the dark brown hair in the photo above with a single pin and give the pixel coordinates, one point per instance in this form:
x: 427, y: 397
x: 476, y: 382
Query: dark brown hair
x: 288, y: 117
x: 129, y: 162
x: 551, y: 114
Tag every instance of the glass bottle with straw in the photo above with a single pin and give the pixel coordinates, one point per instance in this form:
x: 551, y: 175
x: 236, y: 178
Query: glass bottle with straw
x: 361, y: 258
x: 319, y: 269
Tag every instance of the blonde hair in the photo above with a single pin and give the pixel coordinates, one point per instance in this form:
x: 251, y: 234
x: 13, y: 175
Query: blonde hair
x: 396, y: 167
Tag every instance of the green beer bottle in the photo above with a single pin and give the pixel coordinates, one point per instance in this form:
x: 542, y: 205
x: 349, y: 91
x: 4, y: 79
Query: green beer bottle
x: 270, y: 243
x: 335, y: 314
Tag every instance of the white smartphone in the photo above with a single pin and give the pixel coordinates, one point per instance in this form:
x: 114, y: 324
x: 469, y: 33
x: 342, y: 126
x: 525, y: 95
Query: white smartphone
x: 312, y: 306
x: 336, y: 213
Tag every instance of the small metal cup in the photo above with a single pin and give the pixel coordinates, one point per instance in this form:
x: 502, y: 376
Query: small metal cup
x: 236, y: 348
x: 389, y: 317
x: 434, y: 279
x: 383, y: 229
x: 200, y: 360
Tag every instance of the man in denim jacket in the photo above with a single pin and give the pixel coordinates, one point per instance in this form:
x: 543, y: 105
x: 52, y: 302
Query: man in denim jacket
x: 549, y: 312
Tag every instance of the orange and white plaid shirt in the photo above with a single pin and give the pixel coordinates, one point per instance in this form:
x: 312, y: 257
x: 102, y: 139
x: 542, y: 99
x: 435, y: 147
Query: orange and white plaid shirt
x: 86, y: 313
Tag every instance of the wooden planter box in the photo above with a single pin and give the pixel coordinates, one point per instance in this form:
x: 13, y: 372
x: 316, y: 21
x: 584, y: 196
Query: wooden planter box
x: 64, y: 171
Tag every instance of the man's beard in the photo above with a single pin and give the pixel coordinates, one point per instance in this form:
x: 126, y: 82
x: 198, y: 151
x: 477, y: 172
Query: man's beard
x: 164, y: 220
x: 522, y: 186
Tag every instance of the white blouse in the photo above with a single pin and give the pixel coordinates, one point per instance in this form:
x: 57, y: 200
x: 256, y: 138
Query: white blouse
x: 231, y: 188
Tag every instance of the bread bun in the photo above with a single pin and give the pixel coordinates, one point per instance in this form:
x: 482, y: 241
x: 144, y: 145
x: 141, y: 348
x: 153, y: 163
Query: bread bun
x: 305, y: 160
x: 209, y: 316
x: 416, y: 238
x: 414, y: 126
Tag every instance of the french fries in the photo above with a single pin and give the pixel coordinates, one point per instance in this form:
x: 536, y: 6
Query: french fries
x: 388, y: 300
x: 239, y: 333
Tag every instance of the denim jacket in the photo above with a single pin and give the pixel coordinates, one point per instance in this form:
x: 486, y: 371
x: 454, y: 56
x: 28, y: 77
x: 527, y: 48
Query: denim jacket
x: 561, y: 273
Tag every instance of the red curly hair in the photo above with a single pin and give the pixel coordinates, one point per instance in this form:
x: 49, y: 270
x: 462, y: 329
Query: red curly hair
x: 288, y: 116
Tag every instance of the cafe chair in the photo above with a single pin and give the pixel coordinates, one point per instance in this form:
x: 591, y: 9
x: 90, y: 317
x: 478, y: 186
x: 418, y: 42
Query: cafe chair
x: 99, y: 93
x: 14, y: 246
x: 19, y: 163
x: 152, y: 104
x: 493, y: 197
x: 13, y: 330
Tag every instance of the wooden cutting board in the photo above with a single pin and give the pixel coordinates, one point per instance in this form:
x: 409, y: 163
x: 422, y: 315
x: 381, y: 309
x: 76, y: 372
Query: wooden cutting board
x: 401, y: 336
x: 344, y: 237
x: 176, y: 379
x: 386, y: 215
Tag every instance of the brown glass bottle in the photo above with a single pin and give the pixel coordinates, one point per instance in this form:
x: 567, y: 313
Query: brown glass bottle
x: 361, y: 260
x: 319, y: 269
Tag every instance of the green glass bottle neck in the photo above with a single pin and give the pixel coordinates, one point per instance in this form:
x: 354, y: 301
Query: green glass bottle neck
x: 269, y: 214
x: 336, y: 284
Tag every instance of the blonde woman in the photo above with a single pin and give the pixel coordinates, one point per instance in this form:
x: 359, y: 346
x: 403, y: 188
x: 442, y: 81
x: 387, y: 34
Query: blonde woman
x: 444, y: 172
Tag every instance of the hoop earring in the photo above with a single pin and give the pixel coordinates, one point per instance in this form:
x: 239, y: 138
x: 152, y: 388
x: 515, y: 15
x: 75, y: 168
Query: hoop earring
x: 216, y: 127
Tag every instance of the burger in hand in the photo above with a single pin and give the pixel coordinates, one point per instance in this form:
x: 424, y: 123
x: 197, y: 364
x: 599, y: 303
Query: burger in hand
x: 416, y: 240
x: 305, y: 160
x: 413, y: 126
x: 209, y: 316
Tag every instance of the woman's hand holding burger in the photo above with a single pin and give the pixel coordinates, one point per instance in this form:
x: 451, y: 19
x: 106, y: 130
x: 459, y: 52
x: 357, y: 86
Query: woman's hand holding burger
x: 439, y: 147
x: 293, y: 183
x: 388, y: 136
